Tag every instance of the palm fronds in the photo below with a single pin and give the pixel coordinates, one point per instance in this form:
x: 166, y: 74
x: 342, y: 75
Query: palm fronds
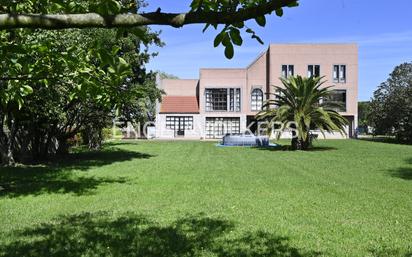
x: 303, y: 101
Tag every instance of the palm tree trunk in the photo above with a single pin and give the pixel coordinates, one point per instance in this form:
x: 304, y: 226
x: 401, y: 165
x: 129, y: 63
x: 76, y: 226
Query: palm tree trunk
x: 299, y: 143
x: 294, y: 144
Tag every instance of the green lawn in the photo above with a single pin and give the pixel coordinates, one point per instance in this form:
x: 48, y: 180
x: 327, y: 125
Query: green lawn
x: 145, y: 198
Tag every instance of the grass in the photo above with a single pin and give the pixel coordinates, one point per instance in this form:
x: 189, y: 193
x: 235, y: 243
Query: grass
x: 344, y: 198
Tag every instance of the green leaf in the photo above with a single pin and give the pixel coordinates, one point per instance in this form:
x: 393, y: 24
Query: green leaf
x: 105, y: 57
x: 20, y: 102
x: 261, y: 20
x: 206, y: 27
x: 218, y: 39
x: 105, y: 7
x: 72, y: 96
x: 85, y: 70
x: 123, y: 65
x: 121, y: 32
x: 114, y: 7
x: 195, y: 5
x: 226, y: 40
x: 42, y: 49
x: 258, y: 39
x: 115, y: 50
x: 26, y: 90
x: 239, y: 25
x: 229, y: 51
x: 111, y: 70
x: 18, y: 66
x: 236, y: 37
x: 279, y: 12
x: 140, y: 33
x: 293, y: 4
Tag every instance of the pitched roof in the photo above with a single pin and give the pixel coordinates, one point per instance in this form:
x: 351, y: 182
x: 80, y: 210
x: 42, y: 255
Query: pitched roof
x: 179, y: 104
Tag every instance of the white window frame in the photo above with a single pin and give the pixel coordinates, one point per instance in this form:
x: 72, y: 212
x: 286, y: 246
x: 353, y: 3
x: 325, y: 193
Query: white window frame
x: 256, y: 101
x: 312, y: 74
x: 232, y: 93
x: 290, y: 70
x: 339, y: 75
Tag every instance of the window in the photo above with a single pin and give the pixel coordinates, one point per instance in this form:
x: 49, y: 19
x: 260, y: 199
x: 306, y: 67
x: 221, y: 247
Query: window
x: 313, y: 71
x: 218, y: 127
x: 234, y: 99
x: 179, y: 122
x: 216, y: 99
x: 339, y: 73
x: 223, y: 99
x: 257, y: 99
x: 338, y: 97
x: 288, y: 71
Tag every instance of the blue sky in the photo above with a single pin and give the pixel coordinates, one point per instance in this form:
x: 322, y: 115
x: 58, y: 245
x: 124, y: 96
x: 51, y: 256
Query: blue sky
x: 381, y: 28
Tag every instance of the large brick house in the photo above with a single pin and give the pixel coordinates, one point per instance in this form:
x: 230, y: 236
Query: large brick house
x: 226, y: 100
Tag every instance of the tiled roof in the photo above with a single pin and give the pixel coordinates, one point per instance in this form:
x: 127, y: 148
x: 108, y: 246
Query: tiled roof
x: 179, y: 104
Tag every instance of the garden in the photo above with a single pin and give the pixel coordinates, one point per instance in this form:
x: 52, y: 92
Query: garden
x: 187, y: 198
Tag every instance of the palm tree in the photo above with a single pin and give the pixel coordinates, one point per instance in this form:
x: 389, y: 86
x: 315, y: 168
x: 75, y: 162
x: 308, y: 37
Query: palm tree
x: 300, y: 102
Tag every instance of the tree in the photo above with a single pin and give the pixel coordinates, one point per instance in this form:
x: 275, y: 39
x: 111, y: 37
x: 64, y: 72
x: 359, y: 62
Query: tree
x: 57, y: 14
x: 391, y: 107
x: 69, y: 85
x: 364, y: 110
x: 69, y: 77
x: 134, y: 98
x: 303, y: 101
x: 165, y: 75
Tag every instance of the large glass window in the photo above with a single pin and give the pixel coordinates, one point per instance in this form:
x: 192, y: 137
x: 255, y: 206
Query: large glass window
x: 288, y: 71
x: 234, y: 99
x: 218, y: 127
x: 338, y: 97
x: 216, y: 99
x: 223, y: 99
x: 257, y: 99
x: 339, y: 73
x: 313, y: 71
x: 179, y: 122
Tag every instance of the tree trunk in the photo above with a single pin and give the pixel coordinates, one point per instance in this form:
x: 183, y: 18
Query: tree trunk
x: 93, y: 20
x: 7, y: 158
x: 6, y: 151
x: 62, y: 147
x: 300, y: 144
x: 95, y: 139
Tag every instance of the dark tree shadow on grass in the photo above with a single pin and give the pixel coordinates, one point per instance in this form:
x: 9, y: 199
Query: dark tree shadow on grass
x: 122, y: 142
x: 84, y: 160
x: 57, y: 175
x: 403, y: 172
x: 321, y: 149
x: 274, y: 148
x: 383, y: 139
x: 100, y: 234
x: 289, y: 148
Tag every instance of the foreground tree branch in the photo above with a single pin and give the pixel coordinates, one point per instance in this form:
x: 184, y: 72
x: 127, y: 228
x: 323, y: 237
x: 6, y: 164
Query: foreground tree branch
x: 89, y: 20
